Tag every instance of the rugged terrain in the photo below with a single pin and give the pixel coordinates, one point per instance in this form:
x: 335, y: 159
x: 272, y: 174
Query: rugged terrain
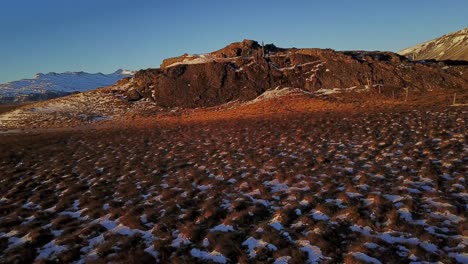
x: 311, y: 156
x: 334, y: 183
x: 52, y: 85
x: 452, y: 46
x: 244, y: 70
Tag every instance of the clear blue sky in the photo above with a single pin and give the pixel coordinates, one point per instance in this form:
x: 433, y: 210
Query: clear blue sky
x: 104, y: 35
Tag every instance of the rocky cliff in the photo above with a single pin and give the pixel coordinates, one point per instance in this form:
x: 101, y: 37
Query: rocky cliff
x: 244, y: 70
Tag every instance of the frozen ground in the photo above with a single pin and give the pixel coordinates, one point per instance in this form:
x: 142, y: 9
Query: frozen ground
x: 372, y: 187
x: 75, y: 110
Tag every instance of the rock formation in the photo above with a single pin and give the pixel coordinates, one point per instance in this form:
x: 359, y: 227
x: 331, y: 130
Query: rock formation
x: 244, y: 70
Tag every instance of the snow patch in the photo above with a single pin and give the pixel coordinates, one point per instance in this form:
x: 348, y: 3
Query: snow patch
x: 314, y: 253
x: 365, y: 258
x: 222, y: 228
x: 214, y: 256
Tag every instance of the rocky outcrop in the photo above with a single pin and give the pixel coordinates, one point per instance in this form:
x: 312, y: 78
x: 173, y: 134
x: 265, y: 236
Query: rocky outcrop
x: 244, y: 70
x: 245, y: 49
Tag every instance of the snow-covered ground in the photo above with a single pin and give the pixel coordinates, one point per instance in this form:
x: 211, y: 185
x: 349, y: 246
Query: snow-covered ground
x: 74, y: 110
x: 377, y: 187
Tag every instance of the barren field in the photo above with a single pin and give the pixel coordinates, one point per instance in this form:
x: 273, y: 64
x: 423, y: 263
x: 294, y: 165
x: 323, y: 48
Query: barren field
x: 354, y: 186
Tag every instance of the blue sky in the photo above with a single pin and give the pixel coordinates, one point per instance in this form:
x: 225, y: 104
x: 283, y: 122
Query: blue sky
x: 104, y: 35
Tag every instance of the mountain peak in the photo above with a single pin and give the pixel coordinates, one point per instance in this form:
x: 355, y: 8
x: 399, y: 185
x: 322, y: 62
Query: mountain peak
x: 60, y: 83
x: 124, y: 72
x: 451, y: 46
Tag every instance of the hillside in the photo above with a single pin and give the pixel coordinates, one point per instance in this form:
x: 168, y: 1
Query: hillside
x: 51, y: 85
x: 244, y: 70
x: 248, y: 154
x: 452, y: 46
x: 243, y: 73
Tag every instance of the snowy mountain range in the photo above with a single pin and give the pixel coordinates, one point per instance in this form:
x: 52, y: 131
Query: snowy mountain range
x: 51, y: 85
x: 452, y: 46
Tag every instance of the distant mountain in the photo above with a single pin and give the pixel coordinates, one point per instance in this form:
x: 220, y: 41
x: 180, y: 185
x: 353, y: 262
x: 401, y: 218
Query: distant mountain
x: 453, y: 46
x: 51, y: 85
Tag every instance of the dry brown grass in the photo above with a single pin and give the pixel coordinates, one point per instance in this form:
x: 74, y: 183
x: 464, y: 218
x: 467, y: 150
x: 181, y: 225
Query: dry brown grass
x: 336, y: 176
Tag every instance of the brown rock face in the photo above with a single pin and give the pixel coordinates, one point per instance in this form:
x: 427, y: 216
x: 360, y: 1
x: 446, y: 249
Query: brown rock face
x: 244, y: 70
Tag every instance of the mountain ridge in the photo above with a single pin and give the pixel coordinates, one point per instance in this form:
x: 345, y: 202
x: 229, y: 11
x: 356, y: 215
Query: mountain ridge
x: 50, y: 85
x: 451, y: 46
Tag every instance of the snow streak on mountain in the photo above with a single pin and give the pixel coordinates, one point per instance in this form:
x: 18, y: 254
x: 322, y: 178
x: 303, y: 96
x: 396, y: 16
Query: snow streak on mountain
x: 452, y: 46
x: 44, y: 86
